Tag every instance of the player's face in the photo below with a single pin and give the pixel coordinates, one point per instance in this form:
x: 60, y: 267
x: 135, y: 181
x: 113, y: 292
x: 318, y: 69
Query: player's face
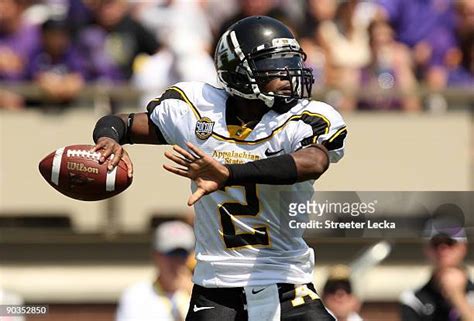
x: 278, y: 86
x: 277, y: 76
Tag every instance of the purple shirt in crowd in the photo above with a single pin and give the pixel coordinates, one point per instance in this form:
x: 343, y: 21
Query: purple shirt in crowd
x: 430, y: 20
x: 22, y: 43
x: 99, y: 65
x: 110, y: 54
x: 40, y: 61
x: 460, y: 77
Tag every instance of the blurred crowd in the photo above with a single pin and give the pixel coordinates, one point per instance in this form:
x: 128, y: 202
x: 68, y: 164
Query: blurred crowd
x: 365, y: 55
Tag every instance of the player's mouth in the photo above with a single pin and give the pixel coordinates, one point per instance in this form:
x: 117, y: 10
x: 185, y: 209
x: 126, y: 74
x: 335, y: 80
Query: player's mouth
x: 284, y: 90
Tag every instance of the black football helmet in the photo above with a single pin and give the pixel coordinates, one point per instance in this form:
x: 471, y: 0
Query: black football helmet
x: 257, y: 49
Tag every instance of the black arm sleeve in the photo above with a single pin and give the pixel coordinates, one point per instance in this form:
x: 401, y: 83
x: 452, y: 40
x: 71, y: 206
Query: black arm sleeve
x: 110, y: 126
x: 279, y: 170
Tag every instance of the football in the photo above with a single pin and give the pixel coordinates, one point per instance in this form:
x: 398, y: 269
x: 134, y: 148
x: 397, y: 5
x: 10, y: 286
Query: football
x: 76, y: 172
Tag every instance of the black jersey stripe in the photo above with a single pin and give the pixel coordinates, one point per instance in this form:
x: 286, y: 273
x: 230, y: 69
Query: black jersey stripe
x: 337, y: 140
x: 168, y: 94
x: 319, y: 125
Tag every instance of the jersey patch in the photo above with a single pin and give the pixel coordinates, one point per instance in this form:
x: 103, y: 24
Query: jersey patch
x: 203, y: 129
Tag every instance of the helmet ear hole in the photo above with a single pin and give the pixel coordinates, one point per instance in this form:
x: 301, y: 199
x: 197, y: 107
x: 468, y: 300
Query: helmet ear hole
x: 239, y: 80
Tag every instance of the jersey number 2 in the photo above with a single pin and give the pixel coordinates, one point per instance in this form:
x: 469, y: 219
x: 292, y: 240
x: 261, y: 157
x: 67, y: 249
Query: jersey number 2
x: 230, y: 210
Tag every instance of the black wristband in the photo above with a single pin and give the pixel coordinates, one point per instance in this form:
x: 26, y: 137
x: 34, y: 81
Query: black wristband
x: 279, y: 170
x: 110, y: 126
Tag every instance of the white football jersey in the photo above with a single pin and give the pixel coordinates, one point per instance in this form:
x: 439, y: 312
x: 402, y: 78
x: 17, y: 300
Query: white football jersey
x: 242, y: 233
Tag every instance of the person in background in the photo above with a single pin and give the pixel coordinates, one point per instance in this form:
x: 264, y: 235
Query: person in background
x: 338, y: 296
x: 457, y: 69
x: 114, y: 41
x: 426, y: 26
x: 247, y: 8
x: 316, y: 11
x: 179, y: 24
x: 79, y: 15
x: 167, y: 297
x: 186, y: 38
x: 17, y: 40
x: 448, y: 295
x: 55, y: 66
x: 388, y: 73
x: 344, y: 41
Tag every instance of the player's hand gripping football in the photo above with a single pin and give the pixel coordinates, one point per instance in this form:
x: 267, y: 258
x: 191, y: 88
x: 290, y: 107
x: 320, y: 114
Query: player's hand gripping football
x: 107, y: 146
x: 208, y: 174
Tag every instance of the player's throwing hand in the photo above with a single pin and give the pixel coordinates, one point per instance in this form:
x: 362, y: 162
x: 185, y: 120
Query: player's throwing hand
x: 208, y: 174
x: 107, y: 147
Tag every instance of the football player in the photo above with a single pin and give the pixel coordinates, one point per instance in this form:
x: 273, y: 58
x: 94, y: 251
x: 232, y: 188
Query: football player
x: 249, y: 149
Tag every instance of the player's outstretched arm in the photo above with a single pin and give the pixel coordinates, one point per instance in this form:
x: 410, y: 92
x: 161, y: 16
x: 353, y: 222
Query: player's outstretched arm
x: 210, y: 175
x: 304, y: 164
x: 112, y: 131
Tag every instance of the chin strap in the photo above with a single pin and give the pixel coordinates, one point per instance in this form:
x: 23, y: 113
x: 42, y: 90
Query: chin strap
x: 282, y: 106
x: 268, y: 100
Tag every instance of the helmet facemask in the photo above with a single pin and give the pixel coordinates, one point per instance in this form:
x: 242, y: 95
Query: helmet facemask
x: 287, y: 66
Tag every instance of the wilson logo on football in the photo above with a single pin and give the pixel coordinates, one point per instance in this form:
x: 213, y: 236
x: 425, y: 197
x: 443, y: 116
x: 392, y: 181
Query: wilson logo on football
x: 204, y: 128
x: 82, y: 168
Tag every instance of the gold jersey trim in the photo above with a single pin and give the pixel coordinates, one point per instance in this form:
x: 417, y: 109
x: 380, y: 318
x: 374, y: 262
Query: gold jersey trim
x: 257, y: 141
